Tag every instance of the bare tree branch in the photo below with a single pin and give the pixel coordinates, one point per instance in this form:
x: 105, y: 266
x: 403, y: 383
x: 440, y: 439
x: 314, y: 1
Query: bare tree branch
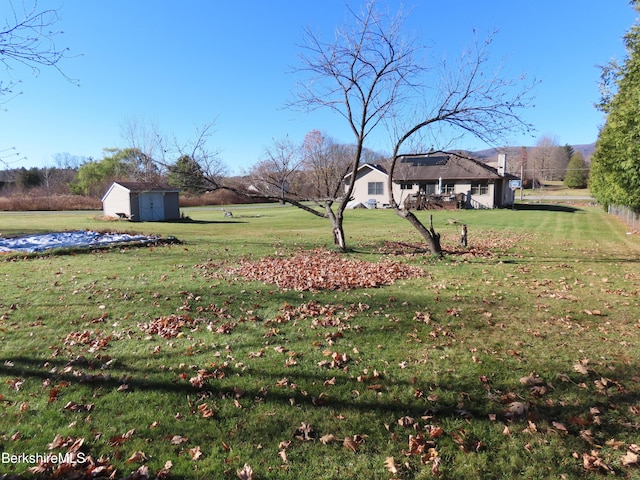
x: 28, y: 37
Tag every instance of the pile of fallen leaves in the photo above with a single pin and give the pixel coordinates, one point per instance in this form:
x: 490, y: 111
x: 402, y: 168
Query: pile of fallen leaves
x: 323, y: 270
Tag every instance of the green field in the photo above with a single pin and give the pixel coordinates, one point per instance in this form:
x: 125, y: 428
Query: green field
x: 516, y: 357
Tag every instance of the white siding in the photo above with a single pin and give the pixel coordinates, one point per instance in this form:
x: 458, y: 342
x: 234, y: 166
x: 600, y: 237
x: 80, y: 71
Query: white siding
x: 115, y: 201
x: 366, y: 176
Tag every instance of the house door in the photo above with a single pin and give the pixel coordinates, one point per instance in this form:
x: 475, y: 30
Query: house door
x: 428, y: 188
x: 151, y: 207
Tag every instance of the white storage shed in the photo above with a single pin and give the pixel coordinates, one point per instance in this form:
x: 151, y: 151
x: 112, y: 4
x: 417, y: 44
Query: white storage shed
x: 141, y: 202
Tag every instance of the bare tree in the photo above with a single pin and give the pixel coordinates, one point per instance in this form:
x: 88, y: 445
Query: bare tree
x: 548, y: 160
x: 325, y: 163
x: 307, y: 176
x: 470, y: 98
x: 274, y: 174
x: 147, y: 147
x: 212, y: 169
x: 358, y: 76
x: 372, y: 76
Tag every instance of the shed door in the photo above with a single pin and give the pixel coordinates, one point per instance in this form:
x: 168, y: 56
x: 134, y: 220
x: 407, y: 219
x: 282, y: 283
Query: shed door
x: 151, y: 207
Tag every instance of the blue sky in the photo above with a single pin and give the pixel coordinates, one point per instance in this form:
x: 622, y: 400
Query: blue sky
x: 178, y: 65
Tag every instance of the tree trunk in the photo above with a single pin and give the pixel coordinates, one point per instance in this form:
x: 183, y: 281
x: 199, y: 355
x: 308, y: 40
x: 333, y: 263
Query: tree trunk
x: 429, y: 234
x: 338, y: 238
x: 338, y: 229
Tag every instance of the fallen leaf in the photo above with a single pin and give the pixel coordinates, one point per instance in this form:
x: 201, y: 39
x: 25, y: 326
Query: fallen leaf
x: 390, y: 464
x: 177, y: 440
x: 630, y: 458
x: 137, y: 457
x: 246, y: 472
x: 580, y: 368
x: 593, y: 461
x: 350, y: 444
x: 196, y: 453
x: 560, y: 426
x: 283, y: 455
x: 329, y: 438
x: 531, y: 380
x: 406, y: 421
x: 304, y: 432
x: 517, y: 410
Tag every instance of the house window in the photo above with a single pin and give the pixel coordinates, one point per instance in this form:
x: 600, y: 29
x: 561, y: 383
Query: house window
x: 406, y: 186
x: 375, y: 188
x: 448, y: 189
x: 480, y: 189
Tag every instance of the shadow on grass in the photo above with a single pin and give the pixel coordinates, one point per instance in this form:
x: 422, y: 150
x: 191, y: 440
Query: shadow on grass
x: 188, y: 221
x: 546, y: 207
x: 462, y: 399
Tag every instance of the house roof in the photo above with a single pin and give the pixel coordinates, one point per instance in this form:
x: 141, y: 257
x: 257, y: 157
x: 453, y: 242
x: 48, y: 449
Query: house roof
x: 369, y: 166
x: 448, y: 167
x: 433, y: 166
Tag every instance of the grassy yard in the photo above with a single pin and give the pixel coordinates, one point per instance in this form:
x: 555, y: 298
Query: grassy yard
x: 516, y: 357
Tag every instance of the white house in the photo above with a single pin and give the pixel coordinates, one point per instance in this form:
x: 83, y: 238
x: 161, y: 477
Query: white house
x: 141, y: 202
x: 436, y: 180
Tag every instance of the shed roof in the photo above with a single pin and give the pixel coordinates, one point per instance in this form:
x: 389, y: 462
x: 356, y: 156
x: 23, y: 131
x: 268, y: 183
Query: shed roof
x: 138, y: 187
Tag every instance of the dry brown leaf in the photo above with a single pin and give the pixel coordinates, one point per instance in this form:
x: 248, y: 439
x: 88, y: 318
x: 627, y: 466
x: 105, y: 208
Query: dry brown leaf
x: 580, y: 368
x: 406, y: 421
x: 390, y: 465
x: 532, y: 380
x: 630, y: 458
x: 137, y: 457
x: 283, y: 455
x: 329, y: 438
x: 350, y: 444
x: 593, y: 461
x: 196, y: 453
x: 246, y: 472
x: 435, y: 432
x: 560, y: 426
x: 304, y: 432
x: 517, y: 410
x: 177, y: 439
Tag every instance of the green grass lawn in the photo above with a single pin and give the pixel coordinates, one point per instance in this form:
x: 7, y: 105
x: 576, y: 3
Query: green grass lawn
x: 516, y: 357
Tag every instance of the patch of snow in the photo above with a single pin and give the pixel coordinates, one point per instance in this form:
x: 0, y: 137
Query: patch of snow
x: 80, y: 238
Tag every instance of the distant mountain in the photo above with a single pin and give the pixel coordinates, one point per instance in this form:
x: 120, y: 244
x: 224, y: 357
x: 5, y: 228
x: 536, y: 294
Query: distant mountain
x: 491, y: 154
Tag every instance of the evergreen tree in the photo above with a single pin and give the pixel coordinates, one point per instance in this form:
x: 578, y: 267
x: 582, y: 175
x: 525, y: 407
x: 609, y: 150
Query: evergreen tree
x: 576, y: 176
x: 29, y: 178
x: 187, y: 174
x: 615, y: 165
